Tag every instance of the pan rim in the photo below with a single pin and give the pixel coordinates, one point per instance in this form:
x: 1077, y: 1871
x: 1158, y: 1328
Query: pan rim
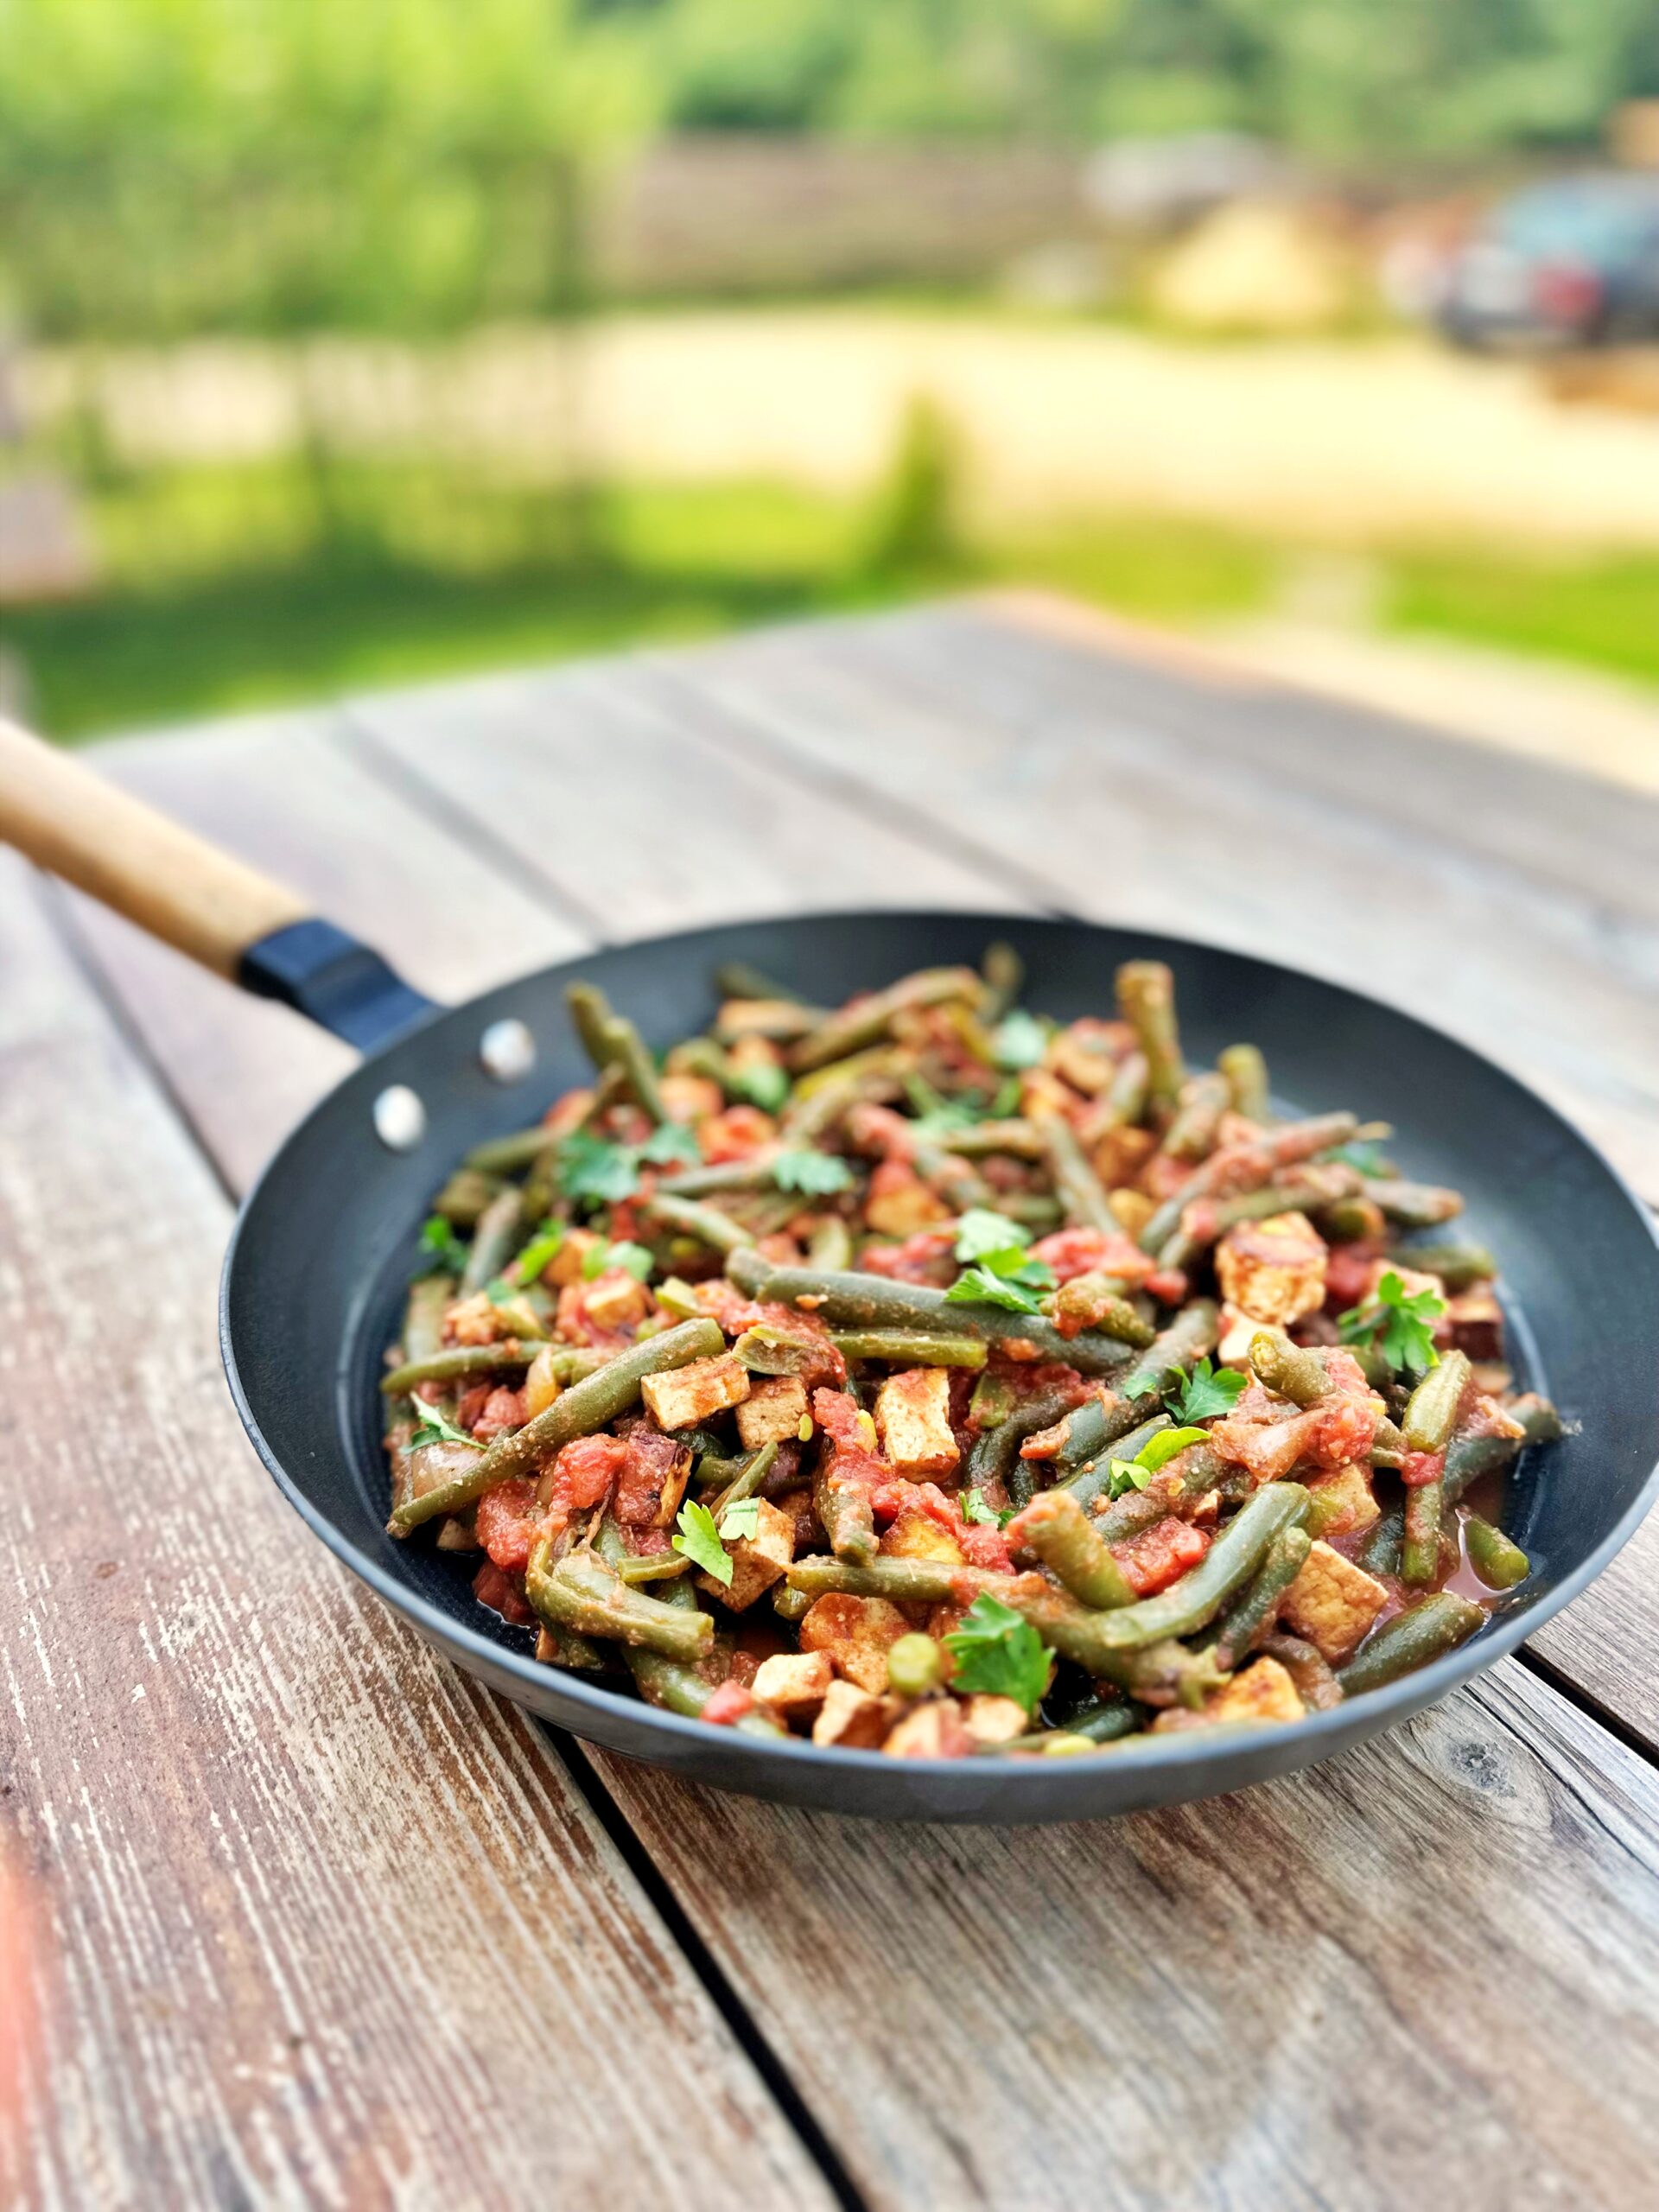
x: 746, y: 1754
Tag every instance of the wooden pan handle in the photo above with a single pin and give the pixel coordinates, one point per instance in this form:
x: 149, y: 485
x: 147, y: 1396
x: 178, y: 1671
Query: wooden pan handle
x: 166, y: 879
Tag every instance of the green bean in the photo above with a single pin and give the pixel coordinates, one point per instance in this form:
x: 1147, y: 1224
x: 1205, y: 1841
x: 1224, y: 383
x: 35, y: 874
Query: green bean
x: 1431, y: 1412
x: 1100, y: 1421
x: 466, y: 1194
x: 1005, y: 975
x: 1104, y: 1723
x: 1257, y: 1606
x: 692, y: 1218
x: 1423, y: 1632
x: 831, y: 1245
x: 1095, y: 1641
x: 653, y: 1567
x: 593, y: 1403
x: 1188, y: 1337
x: 1420, y: 1545
x: 1307, y: 1667
x: 581, y: 1593
x: 494, y: 1242
x: 911, y: 1347
x: 1380, y: 1552
x: 960, y: 1186
x: 915, y: 1663
x: 1075, y: 1180
x: 1212, y: 1219
x: 993, y: 1455
x: 508, y: 1155
x: 1498, y: 1562
x: 852, y: 1300
x: 1146, y: 997
x: 672, y: 1684
x: 1388, y: 1446
x: 1127, y: 1092
x: 790, y: 1605
x: 462, y: 1359
x: 747, y: 1480
x: 1021, y: 1139
x: 1457, y: 1265
x: 612, y: 1041
x: 429, y: 1300
x: 1240, y: 1168
x: 1186, y: 1478
x: 845, y: 1514
x: 811, y: 1114
x: 1246, y: 1075
x: 1344, y: 1221
x: 869, y: 1018
x: 1099, y: 1302
x: 1289, y: 1371
x: 1057, y: 1528
x: 754, y: 1173
x: 779, y: 1021
x: 736, y: 979
x: 1414, y: 1206
x: 1091, y: 1482
x: 1191, y: 1135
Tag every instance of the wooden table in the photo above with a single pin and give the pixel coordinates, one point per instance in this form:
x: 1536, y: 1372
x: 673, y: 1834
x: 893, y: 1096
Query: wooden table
x: 320, y: 1922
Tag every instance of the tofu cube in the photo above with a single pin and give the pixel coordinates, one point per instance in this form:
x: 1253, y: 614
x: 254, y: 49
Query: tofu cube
x: 917, y: 1535
x: 772, y: 1412
x: 933, y: 1731
x: 912, y: 1414
x: 857, y: 1633
x: 616, y: 1299
x: 1274, y: 1270
x: 994, y: 1719
x: 566, y: 1266
x: 900, y: 1203
x: 1341, y: 1504
x: 795, y: 1683
x: 683, y: 1397
x: 757, y: 1561
x: 851, y: 1717
x: 1261, y: 1691
x: 1332, y: 1603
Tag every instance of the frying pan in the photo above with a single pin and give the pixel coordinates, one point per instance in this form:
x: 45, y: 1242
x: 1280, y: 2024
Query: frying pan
x: 324, y: 1242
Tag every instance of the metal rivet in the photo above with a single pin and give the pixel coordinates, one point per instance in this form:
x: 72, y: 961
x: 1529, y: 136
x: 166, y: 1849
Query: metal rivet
x: 399, y: 1118
x: 507, y: 1051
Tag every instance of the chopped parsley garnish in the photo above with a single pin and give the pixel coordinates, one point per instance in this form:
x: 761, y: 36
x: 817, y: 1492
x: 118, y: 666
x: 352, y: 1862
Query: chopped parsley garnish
x: 699, y: 1539
x: 1136, y: 1473
x: 1019, y: 1040
x: 1399, y: 1322
x: 603, y: 1174
x: 1208, y: 1390
x: 816, y: 1173
x: 740, y: 1519
x: 999, y: 1653
x: 542, y: 1247
x: 974, y: 1508
x: 1000, y: 1271
x: 441, y: 1252
x: 763, y: 1084
x: 433, y: 1428
x: 980, y: 1287
x: 633, y: 1259
x: 671, y: 1141
x: 980, y: 1231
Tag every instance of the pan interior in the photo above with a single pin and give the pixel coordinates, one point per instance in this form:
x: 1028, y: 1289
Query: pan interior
x: 315, y: 1286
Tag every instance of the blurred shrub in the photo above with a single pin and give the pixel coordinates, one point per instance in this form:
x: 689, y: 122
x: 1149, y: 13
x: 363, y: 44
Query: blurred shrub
x: 914, y: 523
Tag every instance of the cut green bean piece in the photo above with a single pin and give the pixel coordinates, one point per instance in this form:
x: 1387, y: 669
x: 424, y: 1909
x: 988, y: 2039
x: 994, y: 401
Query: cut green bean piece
x: 692, y: 1218
x: 1076, y: 1181
x: 494, y: 1242
x: 1431, y: 1413
x: 1289, y: 1369
x: 1457, y: 1265
x: 1257, y: 1607
x: 1246, y: 1075
x: 868, y: 1020
x: 1057, y: 1528
x: 1419, y: 1543
x: 1146, y: 995
x: 1191, y: 1135
x: 1414, y: 1206
x: 1425, y: 1632
x: 1496, y: 1559
x: 911, y: 1347
x: 1238, y: 1169
x: 736, y: 979
x: 1005, y: 977
x: 581, y: 1593
x: 831, y: 1245
x: 466, y: 1359
x: 1188, y: 1337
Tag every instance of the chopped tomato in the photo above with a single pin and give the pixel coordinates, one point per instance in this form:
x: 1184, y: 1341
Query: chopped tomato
x: 1350, y: 1272
x: 502, y: 1594
x: 925, y: 1257
x: 728, y: 1703
x: 983, y: 1546
x: 1073, y: 1252
x: 584, y: 1472
x: 507, y: 1521
x: 502, y: 1410
x: 652, y: 1470
x: 737, y: 1134
x: 1418, y: 1468
x: 1160, y: 1555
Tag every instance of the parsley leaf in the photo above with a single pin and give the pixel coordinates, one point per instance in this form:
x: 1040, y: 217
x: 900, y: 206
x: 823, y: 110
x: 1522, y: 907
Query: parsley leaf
x: 540, y: 1250
x: 591, y: 1168
x: 433, y: 1428
x: 1136, y: 1473
x: 1123, y: 1475
x: 699, y: 1539
x: 1399, y: 1323
x: 740, y: 1519
x: 974, y: 1508
x: 673, y: 1140
x: 1019, y: 1040
x: 633, y: 1259
x: 979, y: 1287
x: 442, y: 1252
x: 997, y: 1651
x: 817, y: 1174
x: 980, y: 1231
x: 1207, y: 1391
x: 764, y: 1084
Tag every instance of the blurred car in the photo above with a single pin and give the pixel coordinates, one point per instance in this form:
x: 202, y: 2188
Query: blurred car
x: 1573, y: 262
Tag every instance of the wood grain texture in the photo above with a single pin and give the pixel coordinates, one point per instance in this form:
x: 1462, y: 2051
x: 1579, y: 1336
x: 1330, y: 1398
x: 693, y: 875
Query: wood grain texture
x: 319, y: 1923
x: 1313, y: 1995
x: 1512, y: 904
x: 1425, y: 1974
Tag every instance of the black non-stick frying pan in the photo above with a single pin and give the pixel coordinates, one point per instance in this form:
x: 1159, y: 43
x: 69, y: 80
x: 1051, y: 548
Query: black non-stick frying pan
x: 322, y: 1250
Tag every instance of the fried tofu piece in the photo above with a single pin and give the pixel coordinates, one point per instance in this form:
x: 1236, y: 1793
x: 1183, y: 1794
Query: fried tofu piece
x: 757, y: 1561
x: 1332, y: 1603
x: 1341, y: 1504
x: 912, y: 1414
x: 772, y: 1412
x: 917, y: 1535
x: 566, y: 1265
x: 994, y: 1719
x: 857, y: 1633
x: 852, y: 1718
x: 684, y: 1396
x: 1274, y: 1270
x: 795, y: 1683
x: 616, y: 1299
x: 1261, y: 1691
x: 1476, y: 1321
x: 933, y: 1731
x: 900, y: 1203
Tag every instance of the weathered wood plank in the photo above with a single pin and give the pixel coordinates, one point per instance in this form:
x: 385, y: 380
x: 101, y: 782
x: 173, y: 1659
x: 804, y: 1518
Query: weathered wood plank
x: 1304, y: 1965
x: 1409, y: 1977
x: 1374, y: 855
x: 318, y: 1922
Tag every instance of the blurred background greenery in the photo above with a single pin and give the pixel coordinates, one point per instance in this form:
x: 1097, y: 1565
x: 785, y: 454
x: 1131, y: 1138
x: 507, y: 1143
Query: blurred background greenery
x: 342, y: 346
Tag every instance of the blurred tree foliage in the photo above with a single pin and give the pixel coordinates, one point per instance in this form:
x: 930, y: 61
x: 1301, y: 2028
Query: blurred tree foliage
x: 415, y: 165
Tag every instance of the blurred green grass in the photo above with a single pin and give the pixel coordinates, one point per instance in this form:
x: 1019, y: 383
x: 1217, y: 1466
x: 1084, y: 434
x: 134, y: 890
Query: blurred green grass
x: 1601, y: 613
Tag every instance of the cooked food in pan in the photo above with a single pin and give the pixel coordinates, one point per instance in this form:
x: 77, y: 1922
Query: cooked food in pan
x: 926, y: 1376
